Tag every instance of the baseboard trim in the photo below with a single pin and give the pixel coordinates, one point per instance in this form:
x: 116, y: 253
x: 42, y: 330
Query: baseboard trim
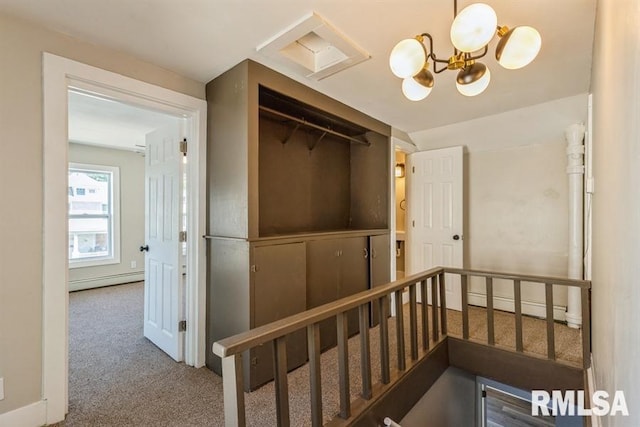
x: 98, y: 282
x: 528, y: 307
x: 33, y: 415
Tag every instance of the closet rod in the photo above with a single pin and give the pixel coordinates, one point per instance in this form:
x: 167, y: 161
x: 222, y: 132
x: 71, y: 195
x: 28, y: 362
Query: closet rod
x: 306, y: 123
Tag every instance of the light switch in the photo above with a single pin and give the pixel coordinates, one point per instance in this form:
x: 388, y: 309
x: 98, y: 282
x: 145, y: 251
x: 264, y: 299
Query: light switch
x: 1, y: 388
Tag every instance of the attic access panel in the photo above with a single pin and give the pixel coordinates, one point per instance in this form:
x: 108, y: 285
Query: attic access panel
x: 318, y: 118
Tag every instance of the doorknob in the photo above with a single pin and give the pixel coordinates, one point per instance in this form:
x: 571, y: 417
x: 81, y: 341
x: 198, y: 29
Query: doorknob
x: 456, y: 237
x: 144, y: 248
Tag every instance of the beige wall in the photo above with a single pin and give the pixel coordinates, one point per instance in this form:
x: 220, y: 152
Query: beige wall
x: 21, y: 47
x: 516, y: 192
x: 517, y: 214
x: 131, y: 166
x: 616, y: 204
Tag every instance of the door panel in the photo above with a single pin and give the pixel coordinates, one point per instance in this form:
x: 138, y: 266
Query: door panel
x: 323, y: 275
x: 354, y: 277
x: 434, y: 237
x: 380, y: 274
x: 163, y: 305
x: 279, y: 291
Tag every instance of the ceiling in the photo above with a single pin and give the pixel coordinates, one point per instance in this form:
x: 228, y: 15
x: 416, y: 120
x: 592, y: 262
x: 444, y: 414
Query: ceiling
x: 104, y: 122
x: 201, y: 39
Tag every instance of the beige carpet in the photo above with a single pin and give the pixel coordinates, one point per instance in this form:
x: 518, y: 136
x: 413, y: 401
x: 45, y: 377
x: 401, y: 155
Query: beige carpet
x: 118, y: 378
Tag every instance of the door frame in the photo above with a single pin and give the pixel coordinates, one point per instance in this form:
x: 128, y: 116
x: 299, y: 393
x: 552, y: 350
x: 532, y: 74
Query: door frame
x: 58, y: 75
x: 397, y: 144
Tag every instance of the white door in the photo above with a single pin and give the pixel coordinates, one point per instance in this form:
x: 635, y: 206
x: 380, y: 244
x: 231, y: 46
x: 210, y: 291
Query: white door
x: 434, y: 222
x: 163, y: 288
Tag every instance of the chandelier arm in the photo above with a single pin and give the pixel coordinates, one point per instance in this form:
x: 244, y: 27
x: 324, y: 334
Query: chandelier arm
x: 435, y: 61
x: 472, y: 58
x: 432, y: 55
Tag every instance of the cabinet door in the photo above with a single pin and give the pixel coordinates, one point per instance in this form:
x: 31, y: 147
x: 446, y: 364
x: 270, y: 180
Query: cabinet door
x: 279, y: 290
x: 380, y: 266
x: 354, y: 277
x: 323, y: 275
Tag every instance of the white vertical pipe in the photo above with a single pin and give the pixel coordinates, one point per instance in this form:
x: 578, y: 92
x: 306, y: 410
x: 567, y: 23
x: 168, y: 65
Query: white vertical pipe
x: 574, y: 135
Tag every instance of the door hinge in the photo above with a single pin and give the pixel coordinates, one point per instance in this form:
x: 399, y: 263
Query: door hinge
x: 254, y: 268
x: 183, y: 236
x: 183, y: 146
x: 182, y: 326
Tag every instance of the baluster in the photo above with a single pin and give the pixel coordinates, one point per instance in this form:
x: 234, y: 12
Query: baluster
x: 343, y: 365
x: 586, y: 328
x: 551, y: 341
x: 365, y: 355
x: 465, y: 306
x: 384, y: 340
x: 413, y: 321
x: 434, y: 308
x: 232, y: 383
x: 400, y: 330
x: 281, y: 385
x: 490, y: 331
x: 424, y: 307
x: 315, y: 383
x: 517, y: 300
x: 443, y: 305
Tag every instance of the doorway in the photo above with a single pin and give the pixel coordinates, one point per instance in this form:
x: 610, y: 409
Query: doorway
x: 60, y: 75
x: 113, y: 150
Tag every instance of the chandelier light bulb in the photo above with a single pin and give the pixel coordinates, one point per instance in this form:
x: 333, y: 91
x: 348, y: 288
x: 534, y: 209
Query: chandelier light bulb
x: 413, y: 90
x: 418, y: 87
x: 473, y: 80
x: 407, y: 58
x: 518, y: 47
x: 473, y: 27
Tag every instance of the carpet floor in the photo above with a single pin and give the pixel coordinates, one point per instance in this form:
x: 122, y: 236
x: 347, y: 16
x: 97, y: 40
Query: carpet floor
x: 119, y: 378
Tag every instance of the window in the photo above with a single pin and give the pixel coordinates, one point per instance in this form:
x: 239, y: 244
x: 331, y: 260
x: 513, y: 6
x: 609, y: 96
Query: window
x: 93, y: 215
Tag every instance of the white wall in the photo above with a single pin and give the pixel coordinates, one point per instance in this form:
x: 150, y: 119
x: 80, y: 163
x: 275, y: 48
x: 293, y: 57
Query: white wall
x: 516, y: 194
x: 21, y: 188
x: 131, y: 167
x: 616, y: 204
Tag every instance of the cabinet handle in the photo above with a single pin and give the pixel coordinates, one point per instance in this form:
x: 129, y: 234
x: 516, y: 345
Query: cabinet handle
x: 374, y: 253
x: 366, y: 253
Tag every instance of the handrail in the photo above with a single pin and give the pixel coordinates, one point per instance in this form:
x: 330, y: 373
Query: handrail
x: 431, y: 285
x: 262, y: 334
x: 522, y: 277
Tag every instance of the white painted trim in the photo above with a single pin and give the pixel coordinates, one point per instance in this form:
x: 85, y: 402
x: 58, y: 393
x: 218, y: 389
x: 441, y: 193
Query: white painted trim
x: 33, y: 415
x: 115, y: 216
x: 97, y: 282
x: 591, y: 388
x: 58, y: 75
x: 529, y: 308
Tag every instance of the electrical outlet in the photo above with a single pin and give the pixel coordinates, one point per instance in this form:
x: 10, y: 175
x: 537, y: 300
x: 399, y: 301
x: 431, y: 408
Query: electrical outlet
x: 134, y: 264
x: 1, y: 388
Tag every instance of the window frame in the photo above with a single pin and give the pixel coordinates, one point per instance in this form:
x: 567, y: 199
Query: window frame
x: 113, y: 216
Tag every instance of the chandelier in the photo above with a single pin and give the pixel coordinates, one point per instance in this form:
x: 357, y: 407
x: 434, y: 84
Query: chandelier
x: 472, y: 30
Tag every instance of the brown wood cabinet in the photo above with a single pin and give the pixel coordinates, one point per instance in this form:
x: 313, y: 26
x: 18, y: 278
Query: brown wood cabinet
x: 288, y: 171
x: 279, y: 291
x: 336, y: 268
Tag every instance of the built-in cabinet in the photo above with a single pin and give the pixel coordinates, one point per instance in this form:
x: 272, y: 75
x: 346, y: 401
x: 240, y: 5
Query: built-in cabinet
x: 336, y: 268
x: 298, y: 208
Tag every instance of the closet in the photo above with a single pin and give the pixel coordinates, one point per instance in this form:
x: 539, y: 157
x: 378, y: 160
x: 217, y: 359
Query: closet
x: 298, y: 216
